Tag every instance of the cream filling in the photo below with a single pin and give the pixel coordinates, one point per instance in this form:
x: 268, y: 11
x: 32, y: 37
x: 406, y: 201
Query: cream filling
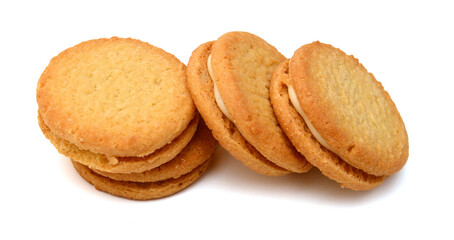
x: 217, y: 95
x: 297, y: 106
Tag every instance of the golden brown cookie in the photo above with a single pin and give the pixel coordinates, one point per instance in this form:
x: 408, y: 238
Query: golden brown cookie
x: 97, y: 161
x: 349, y: 109
x: 117, y: 97
x: 240, y: 113
x: 140, y: 190
x: 347, y: 124
x: 201, y: 88
x: 201, y: 147
x: 298, y: 132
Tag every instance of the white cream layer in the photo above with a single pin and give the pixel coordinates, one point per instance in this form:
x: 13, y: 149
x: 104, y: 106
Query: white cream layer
x: 297, y: 106
x: 217, y: 95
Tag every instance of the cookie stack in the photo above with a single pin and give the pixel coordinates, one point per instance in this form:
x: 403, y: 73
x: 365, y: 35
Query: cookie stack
x: 121, y: 111
x: 277, y: 116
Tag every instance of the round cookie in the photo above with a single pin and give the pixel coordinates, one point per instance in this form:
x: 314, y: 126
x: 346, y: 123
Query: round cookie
x: 241, y: 69
x: 298, y: 132
x: 110, y: 164
x: 137, y: 190
x: 201, y: 148
x: 117, y: 97
x: 352, y: 114
x: 201, y: 89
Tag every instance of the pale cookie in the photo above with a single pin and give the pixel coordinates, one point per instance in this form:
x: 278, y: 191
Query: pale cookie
x: 350, y: 112
x: 112, y: 164
x: 201, y: 148
x: 241, y: 69
x: 296, y: 129
x: 140, y: 191
x: 117, y: 97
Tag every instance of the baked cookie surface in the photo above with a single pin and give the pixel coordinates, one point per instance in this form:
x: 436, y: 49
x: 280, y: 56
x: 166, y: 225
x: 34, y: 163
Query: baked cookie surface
x: 349, y: 109
x: 117, y: 97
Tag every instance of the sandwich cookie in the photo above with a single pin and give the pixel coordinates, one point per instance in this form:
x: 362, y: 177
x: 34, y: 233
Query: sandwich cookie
x: 116, y: 105
x: 162, y: 181
x: 339, y: 116
x: 229, y: 81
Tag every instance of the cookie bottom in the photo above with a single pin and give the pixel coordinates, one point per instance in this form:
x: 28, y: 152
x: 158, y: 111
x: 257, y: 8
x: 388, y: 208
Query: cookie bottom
x: 140, y: 191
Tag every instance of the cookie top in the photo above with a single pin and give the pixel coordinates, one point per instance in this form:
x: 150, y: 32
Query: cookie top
x: 242, y: 65
x: 201, y: 147
x: 118, y: 97
x: 349, y: 109
x: 202, y: 90
x: 302, y: 138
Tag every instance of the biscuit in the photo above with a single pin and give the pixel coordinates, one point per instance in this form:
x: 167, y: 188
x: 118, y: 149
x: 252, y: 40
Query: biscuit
x: 118, y: 97
x: 101, y: 162
x: 349, y: 109
x: 201, y: 88
x: 347, y: 124
x: 242, y: 65
x: 298, y: 132
x: 138, y: 190
x: 201, y: 148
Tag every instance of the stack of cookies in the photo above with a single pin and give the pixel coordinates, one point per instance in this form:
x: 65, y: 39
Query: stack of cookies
x: 320, y: 108
x: 121, y: 111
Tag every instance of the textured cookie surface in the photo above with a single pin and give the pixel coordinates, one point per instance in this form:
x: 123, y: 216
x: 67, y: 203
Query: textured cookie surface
x: 296, y: 129
x: 201, y: 89
x: 121, y: 164
x: 136, y: 190
x: 118, y: 97
x: 201, y: 147
x: 242, y: 65
x: 349, y: 109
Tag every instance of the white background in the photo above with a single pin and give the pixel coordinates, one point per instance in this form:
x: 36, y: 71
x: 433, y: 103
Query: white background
x: 407, y: 45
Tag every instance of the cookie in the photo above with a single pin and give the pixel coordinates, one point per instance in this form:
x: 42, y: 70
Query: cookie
x: 339, y: 116
x: 201, y: 88
x: 298, y: 132
x: 234, y: 101
x: 201, y: 148
x: 117, y: 97
x: 140, y: 190
x: 111, y: 164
